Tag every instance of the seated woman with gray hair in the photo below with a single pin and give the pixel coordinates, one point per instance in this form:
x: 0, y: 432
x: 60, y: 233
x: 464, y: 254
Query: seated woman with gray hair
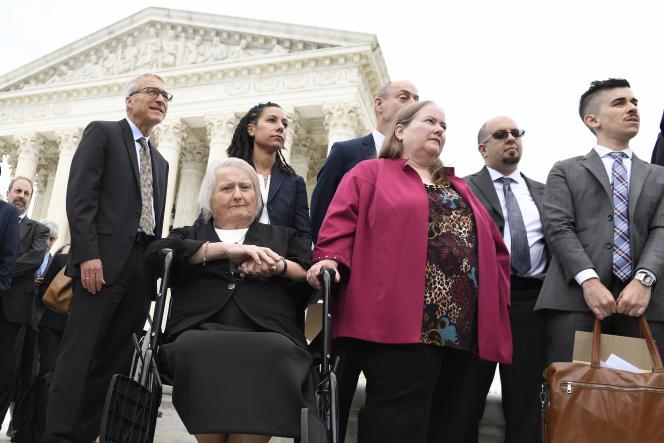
x: 234, y: 344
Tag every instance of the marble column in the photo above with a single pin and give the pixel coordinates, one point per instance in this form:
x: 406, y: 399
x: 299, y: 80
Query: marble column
x: 68, y: 140
x: 342, y: 121
x: 220, y: 128
x: 44, y: 186
x: 192, y: 170
x: 300, y: 159
x: 29, y: 146
x: 171, y: 137
x: 294, y: 133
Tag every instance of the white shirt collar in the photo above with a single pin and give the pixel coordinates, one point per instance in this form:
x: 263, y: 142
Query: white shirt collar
x: 378, y: 139
x: 495, y: 175
x: 136, y: 133
x: 603, y: 151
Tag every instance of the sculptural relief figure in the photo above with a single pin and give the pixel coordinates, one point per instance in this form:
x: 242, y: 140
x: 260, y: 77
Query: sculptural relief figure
x: 129, y: 56
x: 62, y: 73
x: 109, y: 62
x: 216, y: 51
x: 149, y: 57
x: 92, y: 68
x: 239, y: 51
x: 278, y: 49
x: 193, y: 50
x: 170, y: 48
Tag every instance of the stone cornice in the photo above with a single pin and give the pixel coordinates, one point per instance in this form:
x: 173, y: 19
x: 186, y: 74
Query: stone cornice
x: 261, y: 37
x: 355, y: 57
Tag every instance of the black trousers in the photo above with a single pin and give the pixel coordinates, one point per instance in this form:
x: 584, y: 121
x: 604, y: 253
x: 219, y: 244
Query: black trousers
x: 520, y: 381
x: 12, y: 336
x: 412, y: 391
x: 96, y: 344
x: 48, y: 344
x: 348, y: 372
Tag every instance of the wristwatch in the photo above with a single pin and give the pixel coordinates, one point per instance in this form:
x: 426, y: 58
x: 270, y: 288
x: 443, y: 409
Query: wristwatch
x: 646, y: 278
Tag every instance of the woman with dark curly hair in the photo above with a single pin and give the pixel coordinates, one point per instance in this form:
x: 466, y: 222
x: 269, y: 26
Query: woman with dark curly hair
x: 259, y: 139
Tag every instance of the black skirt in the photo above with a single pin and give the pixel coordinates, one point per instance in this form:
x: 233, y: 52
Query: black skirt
x: 230, y: 377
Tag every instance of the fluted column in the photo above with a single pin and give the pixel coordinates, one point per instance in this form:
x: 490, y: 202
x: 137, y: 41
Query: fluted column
x: 296, y: 130
x: 342, y: 121
x: 68, y: 140
x: 301, y: 160
x: 220, y: 128
x: 192, y: 170
x: 29, y: 146
x: 171, y: 136
x: 44, y: 186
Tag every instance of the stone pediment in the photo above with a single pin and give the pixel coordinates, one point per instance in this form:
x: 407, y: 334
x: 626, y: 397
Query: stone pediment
x: 161, y: 39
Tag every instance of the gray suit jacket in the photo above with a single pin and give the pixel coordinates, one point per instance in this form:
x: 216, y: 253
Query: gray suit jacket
x: 578, y: 224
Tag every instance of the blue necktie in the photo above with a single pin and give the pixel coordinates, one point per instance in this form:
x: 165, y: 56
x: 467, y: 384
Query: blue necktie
x: 622, y: 249
x: 520, y: 251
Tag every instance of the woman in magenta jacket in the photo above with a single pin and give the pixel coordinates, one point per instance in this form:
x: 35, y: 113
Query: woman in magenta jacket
x: 424, y: 280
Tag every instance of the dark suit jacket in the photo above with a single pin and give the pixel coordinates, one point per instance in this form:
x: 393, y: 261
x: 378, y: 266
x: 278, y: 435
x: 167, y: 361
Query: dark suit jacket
x: 343, y: 156
x: 200, y: 291
x: 658, y: 151
x: 104, y: 197
x: 18, y: 303
x: 8, y: 244
x: 287, y: 203
x: 482, y: 186
x: 578, y: 224
x: 52, y: 319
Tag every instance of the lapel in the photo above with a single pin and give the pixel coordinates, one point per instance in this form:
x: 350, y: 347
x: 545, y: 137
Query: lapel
x: 130, y: 144
x: 368, y: 147
x: 637, y: 178
x: 156, y: 174
x: 486, y: 187
x: 594, y: 164
x: 536, y: 192
x: 24, y: 228
x: 278, y: 177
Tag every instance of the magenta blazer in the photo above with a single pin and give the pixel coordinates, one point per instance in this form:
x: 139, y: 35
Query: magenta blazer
x: 377, y: 228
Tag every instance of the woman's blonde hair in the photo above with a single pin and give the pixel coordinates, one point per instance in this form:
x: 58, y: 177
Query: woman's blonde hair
x: 393, y: 147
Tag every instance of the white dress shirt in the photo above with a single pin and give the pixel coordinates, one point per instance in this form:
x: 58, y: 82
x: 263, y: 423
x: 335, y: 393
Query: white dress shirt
x: 265, y: 192
x: 378, y: 140
x: 531, y: 220
x: 136, y: 134
x: 232, y: 235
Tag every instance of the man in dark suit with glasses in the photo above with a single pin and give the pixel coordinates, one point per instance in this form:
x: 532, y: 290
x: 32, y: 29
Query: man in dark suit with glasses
x: 514, y: 201
x: 115, y: 205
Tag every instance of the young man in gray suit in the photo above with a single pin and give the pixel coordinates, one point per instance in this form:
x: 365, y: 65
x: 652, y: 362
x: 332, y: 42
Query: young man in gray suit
x: 604, y: 221
x: 515, y: 203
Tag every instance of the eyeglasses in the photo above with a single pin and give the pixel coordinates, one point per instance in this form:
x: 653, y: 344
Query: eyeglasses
x: 154, y: 93
x: 501, y: 134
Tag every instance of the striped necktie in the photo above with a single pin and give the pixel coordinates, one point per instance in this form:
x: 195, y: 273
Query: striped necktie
x: 622, y: 249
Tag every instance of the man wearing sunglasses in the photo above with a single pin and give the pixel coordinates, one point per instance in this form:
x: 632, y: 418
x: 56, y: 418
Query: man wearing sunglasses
x: 514, y: 202
x: 604, y: 222
x: 115, y: 205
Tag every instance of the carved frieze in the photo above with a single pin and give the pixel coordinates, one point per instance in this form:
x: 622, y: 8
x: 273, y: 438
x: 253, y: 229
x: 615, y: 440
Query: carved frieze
x: 161, y: 45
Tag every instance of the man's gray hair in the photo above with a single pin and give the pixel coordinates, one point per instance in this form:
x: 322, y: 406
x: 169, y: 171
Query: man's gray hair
x: 52, y: 226
x: 212, y: 176
x: 132, y: 85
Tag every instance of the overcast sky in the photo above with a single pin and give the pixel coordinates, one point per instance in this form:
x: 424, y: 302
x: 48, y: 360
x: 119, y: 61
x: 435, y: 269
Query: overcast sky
x: 528, y: 59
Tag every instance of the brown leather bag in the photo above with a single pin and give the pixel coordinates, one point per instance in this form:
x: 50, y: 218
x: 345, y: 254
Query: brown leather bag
x: 586, y: 403
x: 59, y: 294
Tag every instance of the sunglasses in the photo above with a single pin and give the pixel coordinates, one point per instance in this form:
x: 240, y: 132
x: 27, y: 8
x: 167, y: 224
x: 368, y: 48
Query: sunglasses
x: 501, y: 134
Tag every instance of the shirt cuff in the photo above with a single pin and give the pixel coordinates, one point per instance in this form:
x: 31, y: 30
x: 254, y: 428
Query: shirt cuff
x: 584, y: 275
